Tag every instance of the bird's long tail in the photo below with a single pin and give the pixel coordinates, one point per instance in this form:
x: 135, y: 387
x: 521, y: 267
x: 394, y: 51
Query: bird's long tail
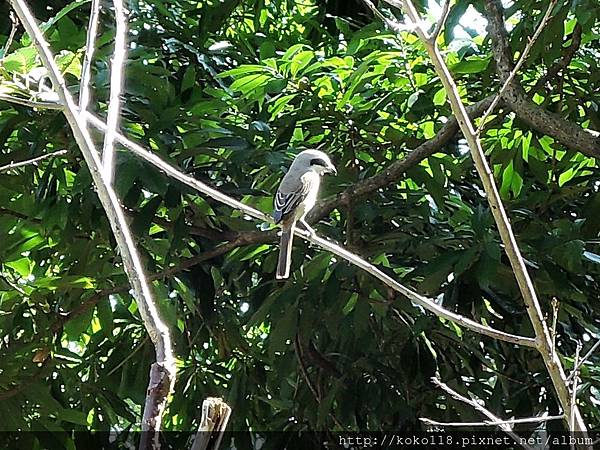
x: 285, y: 252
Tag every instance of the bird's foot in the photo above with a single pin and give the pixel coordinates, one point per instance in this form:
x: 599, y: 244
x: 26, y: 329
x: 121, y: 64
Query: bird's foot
x: 308, y: 228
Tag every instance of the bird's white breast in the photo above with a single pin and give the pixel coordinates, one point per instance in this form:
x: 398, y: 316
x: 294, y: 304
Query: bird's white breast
x: 311, y: 198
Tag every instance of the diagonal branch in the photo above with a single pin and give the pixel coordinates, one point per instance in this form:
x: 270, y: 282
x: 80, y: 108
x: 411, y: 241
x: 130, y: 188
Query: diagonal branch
x: 579, y: 363
x: 32, y: 161
x: 116, y: 87
x: 441, y: 21
x: 563, y: 62
x: 11, y: 36
x: 543, y: 340
x: 484, y: 411
x: 515, y: 70
x: 162, y: 376
x: 425, y: 302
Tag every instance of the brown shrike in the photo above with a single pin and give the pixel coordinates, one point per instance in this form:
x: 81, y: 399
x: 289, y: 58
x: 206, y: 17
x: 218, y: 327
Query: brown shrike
x: 296, y: 196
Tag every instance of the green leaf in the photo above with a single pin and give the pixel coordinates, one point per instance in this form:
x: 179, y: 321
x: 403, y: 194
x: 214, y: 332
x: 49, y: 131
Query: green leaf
x: 471, y: 65
x: 21, y: 61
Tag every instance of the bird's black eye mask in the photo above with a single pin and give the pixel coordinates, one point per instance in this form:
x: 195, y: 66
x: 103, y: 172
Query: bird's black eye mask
x: 318, y: 162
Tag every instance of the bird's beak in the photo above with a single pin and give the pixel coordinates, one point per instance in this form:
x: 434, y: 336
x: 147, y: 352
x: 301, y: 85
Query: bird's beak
x: 332, y: 170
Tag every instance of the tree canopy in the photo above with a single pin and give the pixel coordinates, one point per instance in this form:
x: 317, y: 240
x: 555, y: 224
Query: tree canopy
x: 229, y: 91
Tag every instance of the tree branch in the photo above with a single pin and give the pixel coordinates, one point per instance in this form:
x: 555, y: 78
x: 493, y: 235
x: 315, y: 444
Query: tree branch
x: 569, y: 134
x: 583, y: 360
x: 515, y: 70
x: 90, y: 46
x: 162, y: 374
x: 564, y: 61
x: 425, y: 302
x: 31, y: 103
x: 28, y: 162
x: 300, y: 357
x: 543, y: 341
x: 116, y: 87
x: 484, y: 411
x: 11, y: 36
x: 441, y: 21
x: 488, y: 423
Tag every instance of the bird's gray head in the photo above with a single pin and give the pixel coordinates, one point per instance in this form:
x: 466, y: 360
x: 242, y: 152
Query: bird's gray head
x: 314, y: 160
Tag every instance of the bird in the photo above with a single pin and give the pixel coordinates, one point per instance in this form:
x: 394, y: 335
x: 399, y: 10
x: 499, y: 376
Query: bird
x: 295, y: 197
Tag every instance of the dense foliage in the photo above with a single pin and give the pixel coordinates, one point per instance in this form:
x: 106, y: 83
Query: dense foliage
x: 228, y: 90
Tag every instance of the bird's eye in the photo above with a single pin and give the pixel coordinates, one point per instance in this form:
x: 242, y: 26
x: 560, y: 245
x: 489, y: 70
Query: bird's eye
x: 318, y: 162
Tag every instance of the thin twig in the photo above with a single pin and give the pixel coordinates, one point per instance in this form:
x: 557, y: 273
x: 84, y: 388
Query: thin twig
x: 90, y: 47
x: 116, y: 87
x: 555, y: 306
x: 11, y: 36
x: 488, y: 423
x: 441, y: 21
x: 128, y: 357
x: 574, y: 391
x: 28, y: 162
x: 517, y: 67
x: 583, y: 360
x: 162, y: 373
x: 395, y: 27
x: 563, y: 62
x: 31, y: 103
x: 480, y: 408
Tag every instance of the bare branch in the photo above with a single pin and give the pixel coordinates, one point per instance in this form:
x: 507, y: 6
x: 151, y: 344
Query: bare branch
x: 392, y: 25
x: 11, y: 36
x: 583, y: 360
x: 489, y: 423
x: 515, y: 70
x: 31, y: 103
x: 90, y: 46
x: 440, y: 23
x: 543, y: 341
x: 481, y: 409
x: 571, y: 135
x: 162, y: 374
x: 574, y: 390
x: 116, y: 87
x: 215, y: 416
x: 28, y: 162
x: 415, y: 297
